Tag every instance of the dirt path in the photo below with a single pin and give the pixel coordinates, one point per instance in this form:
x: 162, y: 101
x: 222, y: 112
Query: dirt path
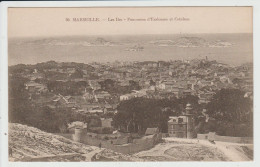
x: 92, y: 153
x: 181, y: 151
x: 228, y: 149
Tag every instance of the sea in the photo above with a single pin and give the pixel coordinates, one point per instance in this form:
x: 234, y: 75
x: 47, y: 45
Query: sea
x: 110, y: 48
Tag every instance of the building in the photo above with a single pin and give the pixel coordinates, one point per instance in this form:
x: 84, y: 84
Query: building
x: 106, y: 122
x: 34, y: 87
x: 182, y: 126
x: 177, y: 127
x: 88, y: 96
x: 102, y: 95
x: 134, y: 94
x: 126, y: 97
x: 186, y: 92
x: 77, y: 124
x: 60, y: 101
x: 109, y: 109
x: 204, y: 97
x: 95, y: 110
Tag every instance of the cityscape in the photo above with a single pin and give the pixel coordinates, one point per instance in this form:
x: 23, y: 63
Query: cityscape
x: 122, y: 111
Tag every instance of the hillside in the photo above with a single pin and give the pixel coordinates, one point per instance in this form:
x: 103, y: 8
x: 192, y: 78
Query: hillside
x: 191, y: 42
x: 68, y: 42
x: 31, y: 144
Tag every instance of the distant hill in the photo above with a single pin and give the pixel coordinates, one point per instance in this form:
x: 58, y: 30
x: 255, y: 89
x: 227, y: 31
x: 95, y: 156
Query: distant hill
x: 191, y: 42
x: 52, y: 64
x: 188, y: 41
x: 135, y: 48
x: 69, y: 42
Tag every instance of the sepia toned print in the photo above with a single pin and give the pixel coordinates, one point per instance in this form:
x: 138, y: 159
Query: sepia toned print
x: 130, y: 84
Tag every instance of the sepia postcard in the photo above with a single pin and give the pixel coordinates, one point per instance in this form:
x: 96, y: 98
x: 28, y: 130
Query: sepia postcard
x: 130, y: 83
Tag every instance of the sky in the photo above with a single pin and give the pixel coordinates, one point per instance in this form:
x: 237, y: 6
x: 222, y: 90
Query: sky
x: 41, y: 22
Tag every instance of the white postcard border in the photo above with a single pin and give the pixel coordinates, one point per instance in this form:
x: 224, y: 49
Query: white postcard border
x: 4, y: 78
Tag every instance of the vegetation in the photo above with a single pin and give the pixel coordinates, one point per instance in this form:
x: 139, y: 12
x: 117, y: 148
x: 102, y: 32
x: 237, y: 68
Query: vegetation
x: 137, y: 114
x: 112, y: 87
x: 47, y: 119
x: 67, y: 88
x: 230, y: 113
x: 233, y: 112
x: 22, y: 110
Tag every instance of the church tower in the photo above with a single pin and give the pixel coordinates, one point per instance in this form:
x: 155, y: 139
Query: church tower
x: 190, y: 121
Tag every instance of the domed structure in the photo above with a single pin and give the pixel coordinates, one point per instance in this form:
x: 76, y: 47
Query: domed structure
x: 188, y: 109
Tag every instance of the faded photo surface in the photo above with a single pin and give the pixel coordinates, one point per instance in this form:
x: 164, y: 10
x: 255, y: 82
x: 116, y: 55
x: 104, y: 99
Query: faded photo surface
x: 130, y: 84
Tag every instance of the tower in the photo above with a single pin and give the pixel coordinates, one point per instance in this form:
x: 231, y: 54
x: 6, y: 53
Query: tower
x: 78, y: 134
x: 190, y: 121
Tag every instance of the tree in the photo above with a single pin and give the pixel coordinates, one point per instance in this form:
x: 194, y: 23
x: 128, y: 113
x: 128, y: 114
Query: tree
x: 77, y: 74
x: 152, y: 83
x: 94, y: 122
x: 133, y: 85
x: 230, y: 105
x: 107, y: 84
x: 137, y: 114
x: 233, y: 113
x: 19, y: 104
x: 193, y: 100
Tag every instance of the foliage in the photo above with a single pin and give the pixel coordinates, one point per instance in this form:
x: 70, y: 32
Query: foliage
x: 137, y: 114
x: 47, y: 119
x: 67, y: 88
x: 101, y: 130
x: 112, y: 87
x: 230, y: 105
x: 107, y: 84
x: 77, y: 74
x: 21, y: 110
x: 94, y: 122
x: 233, y: 113
x: 55, y: 75
x: 152, y: 83
x: 133, y: 85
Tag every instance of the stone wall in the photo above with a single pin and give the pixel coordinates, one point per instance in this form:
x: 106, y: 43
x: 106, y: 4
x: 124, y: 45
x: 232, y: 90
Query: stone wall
x: 144, y: 143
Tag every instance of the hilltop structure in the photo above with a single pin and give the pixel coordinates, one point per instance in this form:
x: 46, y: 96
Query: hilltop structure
x: 182, y: 126
x: 79, y: 129
x: 125, y: 143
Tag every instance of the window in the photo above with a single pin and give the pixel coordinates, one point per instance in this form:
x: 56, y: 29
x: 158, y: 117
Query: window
x: 180, y: 120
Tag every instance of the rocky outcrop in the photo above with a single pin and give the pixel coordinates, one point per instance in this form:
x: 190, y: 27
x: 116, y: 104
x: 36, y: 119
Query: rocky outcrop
x: 31, y: 144
x: 28, y: 142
